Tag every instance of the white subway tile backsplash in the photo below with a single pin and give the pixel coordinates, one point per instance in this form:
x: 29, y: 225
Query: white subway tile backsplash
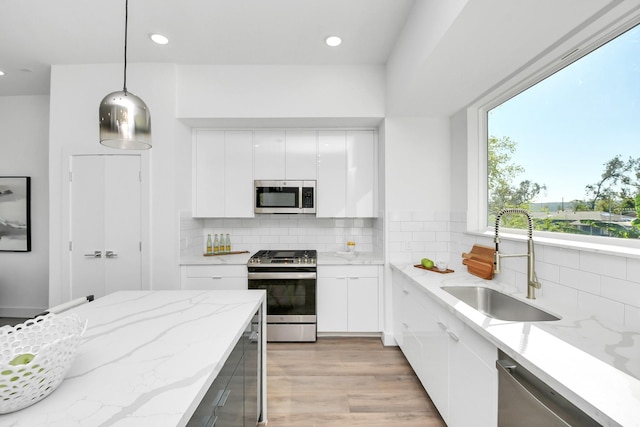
x: 558, y: 296
x: 598, y: 263
x: 633, y: 269
x: 581, y: 280
x: 548, y: 272
x: 282, y: 232
x: 411, y: 226
x: 621, y: 290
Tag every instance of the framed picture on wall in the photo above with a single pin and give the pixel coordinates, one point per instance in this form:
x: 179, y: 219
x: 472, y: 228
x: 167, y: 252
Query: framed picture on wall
x: 15, y: 213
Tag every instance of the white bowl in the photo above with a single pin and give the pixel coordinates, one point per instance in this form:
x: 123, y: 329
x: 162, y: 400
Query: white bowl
x: 54, y: 341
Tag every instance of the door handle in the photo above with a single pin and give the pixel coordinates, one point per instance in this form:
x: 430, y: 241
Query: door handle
x: 95, y: 254
x: 110, y: 254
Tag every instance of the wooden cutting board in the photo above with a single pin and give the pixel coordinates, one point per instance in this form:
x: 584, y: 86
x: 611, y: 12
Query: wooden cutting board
x: 479, y: 268
x: 479, y: 261
x: 485, y: 253
x: 227, y: 253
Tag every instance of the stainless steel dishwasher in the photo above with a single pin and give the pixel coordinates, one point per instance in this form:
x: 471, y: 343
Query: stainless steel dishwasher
x: 525, y: 401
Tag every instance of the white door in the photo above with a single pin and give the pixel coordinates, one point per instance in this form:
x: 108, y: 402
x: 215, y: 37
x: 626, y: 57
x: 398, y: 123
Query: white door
x: 105, y: 226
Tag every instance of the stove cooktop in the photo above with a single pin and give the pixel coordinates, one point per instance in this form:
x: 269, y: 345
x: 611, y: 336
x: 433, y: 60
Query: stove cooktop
x: 284, y: 257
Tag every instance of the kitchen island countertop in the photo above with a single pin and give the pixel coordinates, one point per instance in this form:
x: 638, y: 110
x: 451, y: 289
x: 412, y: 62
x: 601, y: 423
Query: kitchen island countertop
x: 146, y: 359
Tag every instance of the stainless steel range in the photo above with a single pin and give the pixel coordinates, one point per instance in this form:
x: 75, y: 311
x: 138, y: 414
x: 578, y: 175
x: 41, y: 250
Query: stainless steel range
x: 289, y: 277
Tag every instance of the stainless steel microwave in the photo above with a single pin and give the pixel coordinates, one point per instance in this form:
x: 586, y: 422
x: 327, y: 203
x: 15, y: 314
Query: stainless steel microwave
x: 290, y: 197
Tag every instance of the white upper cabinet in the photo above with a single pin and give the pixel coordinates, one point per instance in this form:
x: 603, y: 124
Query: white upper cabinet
x: 226, y: 163
x: 346, y: 174
x: 269, y: 155
x: 301, y: 155
x: 332, y: 177
x: 285, y: 155
x: 222, y: 174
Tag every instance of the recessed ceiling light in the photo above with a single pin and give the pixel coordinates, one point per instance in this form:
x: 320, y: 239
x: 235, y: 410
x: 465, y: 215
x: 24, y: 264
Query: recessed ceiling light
x: 333, y: 41
x: 1, y: 73
x: 159, y: 38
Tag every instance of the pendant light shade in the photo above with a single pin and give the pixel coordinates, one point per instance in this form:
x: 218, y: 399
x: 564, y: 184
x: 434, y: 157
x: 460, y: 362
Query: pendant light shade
x: 125, y: 122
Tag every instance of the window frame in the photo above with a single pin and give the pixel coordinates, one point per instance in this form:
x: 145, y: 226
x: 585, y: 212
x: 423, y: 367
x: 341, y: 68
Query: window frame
x: 589, y: 39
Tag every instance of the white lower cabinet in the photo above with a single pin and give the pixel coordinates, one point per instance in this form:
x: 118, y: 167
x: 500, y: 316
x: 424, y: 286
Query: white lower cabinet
x: 348, y: 299
x: 455, y: 364
x: 214, y: 277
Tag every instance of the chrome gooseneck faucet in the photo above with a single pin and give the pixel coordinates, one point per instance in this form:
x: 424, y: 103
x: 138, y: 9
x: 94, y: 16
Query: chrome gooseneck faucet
x: 532, y: 278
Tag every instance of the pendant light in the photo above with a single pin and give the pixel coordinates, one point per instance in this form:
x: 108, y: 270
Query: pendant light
x: 125, y: 121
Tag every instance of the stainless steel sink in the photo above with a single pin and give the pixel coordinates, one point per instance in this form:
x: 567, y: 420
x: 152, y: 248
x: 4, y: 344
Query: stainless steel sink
x: 498, y: 305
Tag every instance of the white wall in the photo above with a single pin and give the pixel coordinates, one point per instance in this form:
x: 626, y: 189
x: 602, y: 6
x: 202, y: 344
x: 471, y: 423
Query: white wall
x: 173, y: 94
x: 24, y: 122
x: 281, y: 91
x: 417, y: 189
x: 76, y: 91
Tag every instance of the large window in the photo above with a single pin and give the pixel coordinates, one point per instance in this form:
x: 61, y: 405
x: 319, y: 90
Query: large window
x: 568, y: 148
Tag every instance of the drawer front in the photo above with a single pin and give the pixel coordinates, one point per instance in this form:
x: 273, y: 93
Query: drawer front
x: 348, y: 271
x: 217, y: 271
x: 215, y: 284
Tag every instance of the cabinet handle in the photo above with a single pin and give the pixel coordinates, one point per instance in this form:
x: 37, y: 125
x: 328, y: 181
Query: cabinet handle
x: 353, y: 278
x: 213, y: 423
x: 216, y: 277
x: 341, y: 278
x: 218, y: 398
x: 453, y: 336
x: 253, y: 337
x: 224, y: 398
x: 95, y: 254
x: 405, y: 325
x: 442, y: 326
x: 406, y: 292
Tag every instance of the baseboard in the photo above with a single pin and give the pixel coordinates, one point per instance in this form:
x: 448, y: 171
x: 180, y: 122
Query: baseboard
x: 388, y: 340
x: 349, y: 334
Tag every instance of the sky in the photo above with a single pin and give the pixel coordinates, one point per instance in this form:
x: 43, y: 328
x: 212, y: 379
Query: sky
x: 570, y: 124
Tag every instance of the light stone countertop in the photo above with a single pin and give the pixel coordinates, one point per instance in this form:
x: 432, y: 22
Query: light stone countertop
x: 146, y: 359
x: 324, y: 258
x: 592, y: 364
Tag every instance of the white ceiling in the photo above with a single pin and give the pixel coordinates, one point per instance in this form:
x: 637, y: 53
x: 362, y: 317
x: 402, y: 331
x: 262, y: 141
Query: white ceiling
x: 34, y: 34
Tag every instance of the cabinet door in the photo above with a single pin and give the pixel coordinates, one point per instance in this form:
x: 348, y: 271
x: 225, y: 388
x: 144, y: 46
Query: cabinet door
x: 332, y: 179
x: 363, y: 304
x: 332, y: 298
x: 411, y: 318
x: 361, y: 178
x: 473, y: 391
x: 238, y: 174
x: 435, y: 340
x: 269, y: 155
x: 301, y: 157
x: 208, y: 153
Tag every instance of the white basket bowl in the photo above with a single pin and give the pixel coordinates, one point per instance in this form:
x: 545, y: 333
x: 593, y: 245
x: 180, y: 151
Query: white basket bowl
x: 54, y: 341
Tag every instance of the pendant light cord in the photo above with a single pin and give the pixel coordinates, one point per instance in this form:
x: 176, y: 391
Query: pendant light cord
x: 126, y: 25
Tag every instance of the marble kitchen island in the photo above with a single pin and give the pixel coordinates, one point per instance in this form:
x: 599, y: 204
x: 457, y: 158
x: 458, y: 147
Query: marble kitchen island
x: 146, y: 359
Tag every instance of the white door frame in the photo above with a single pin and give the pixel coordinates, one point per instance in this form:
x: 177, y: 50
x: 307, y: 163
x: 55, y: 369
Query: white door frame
x: 60, y: 279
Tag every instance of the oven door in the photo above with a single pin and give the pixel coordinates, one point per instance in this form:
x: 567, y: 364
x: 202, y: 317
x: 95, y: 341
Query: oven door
x: 291, y: 296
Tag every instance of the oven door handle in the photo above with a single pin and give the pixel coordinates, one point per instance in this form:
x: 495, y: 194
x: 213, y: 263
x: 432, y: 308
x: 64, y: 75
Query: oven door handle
x: 282, y: 275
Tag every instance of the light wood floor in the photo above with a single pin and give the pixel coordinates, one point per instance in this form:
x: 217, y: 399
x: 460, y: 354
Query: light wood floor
x: 344, y: 382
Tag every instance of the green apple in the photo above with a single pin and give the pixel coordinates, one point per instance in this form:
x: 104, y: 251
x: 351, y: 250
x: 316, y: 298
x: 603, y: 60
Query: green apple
x: 427, y: 263
x: 22, y: 359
